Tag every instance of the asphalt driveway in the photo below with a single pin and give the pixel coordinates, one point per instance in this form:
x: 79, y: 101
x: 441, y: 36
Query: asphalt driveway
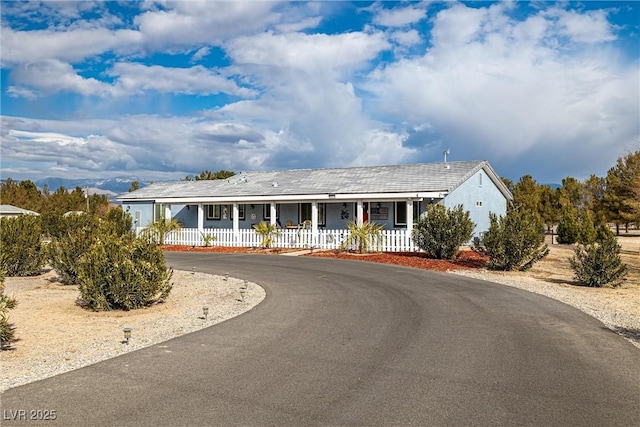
x: 353, y: 343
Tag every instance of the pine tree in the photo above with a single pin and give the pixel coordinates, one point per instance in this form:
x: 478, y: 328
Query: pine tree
x: 599, y: 264
x: 568, y: 228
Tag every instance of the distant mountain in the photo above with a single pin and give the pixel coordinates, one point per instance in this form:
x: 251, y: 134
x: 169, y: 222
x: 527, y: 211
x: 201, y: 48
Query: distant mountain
x: 111, y: 186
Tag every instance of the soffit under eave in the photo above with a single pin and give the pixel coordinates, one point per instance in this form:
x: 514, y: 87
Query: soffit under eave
x: 323, y: 198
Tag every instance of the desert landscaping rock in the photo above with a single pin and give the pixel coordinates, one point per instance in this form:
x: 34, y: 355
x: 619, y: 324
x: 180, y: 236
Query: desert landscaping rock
x: 55, y: 335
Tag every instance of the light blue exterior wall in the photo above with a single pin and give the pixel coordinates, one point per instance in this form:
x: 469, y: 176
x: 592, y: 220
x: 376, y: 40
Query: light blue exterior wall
x: 141, y: 213
x: 337, y: 215
x: 478, y: 188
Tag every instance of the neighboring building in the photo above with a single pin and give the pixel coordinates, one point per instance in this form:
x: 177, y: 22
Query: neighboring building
x: 324, y: 199
x: 13, y: 211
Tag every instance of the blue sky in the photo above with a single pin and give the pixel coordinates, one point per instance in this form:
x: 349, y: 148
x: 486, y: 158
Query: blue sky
x: 161, y: 89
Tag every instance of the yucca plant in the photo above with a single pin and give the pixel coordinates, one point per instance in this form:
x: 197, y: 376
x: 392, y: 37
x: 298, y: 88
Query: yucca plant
x: 268, y: 233
x: 157, y: 231
x: 364, y: 237
x: 208, y: 239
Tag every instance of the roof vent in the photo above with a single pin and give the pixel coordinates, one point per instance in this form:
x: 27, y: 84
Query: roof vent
x: 447, y: 166
x: 274, y: 184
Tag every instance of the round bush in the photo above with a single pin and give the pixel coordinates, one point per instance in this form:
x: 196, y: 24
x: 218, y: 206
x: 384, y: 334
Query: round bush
x: 123, y: 273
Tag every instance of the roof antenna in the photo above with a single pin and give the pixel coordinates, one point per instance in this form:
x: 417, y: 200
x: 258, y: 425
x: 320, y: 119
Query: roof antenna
x: 446, y: 153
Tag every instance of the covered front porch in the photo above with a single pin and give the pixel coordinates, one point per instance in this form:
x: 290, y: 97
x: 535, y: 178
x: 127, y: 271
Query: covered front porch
x: 300, y: 223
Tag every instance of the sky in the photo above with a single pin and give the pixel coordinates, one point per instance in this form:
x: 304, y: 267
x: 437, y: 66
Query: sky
x: 158, y: 90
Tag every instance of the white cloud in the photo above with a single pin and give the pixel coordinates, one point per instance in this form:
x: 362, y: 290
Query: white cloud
x: 201, y: 53
x: 138, y: 78
x: 504, y: 92
x: 19, y: 47
x: 314, y: 53
x: 586, y: 27
x: 406, y: 38
x: 51, y: 76
x: 399, y: 17
x: 189, y: 23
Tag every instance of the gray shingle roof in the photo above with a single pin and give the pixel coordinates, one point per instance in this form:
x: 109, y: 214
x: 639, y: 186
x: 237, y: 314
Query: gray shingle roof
x: 9, y: 210
x: 420, y: 177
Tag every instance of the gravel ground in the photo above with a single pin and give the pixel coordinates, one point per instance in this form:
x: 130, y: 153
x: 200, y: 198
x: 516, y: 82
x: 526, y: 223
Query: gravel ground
x: 54, y: 335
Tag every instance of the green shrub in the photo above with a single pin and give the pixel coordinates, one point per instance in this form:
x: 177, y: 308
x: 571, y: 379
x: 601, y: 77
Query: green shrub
x: 6, y: 304
x: 123, y: 273
x: 118, y: 222
x: 569, y: 227
x: 80, y: 232
x: 442, y: 231
x: 364, y: 237
x: 513, y: 242
x: 21, y: 250
x: 76, y: 235
x: 599, y: 264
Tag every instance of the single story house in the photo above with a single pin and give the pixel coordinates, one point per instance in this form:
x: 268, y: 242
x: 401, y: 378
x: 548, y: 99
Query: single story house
x: 10, y: 211
x: 318, y: 200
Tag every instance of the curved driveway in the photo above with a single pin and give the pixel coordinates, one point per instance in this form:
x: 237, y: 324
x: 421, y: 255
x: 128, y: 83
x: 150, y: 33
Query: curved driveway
x: 353, y: 343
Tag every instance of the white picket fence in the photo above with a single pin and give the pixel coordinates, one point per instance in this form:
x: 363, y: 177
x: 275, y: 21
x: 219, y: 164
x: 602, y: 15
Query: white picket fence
x: 392, y: 240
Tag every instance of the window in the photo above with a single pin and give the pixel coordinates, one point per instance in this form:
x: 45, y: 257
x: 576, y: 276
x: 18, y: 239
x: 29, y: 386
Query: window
x: 266, y: 211
x: 480, y: 179
x: 304, y: 213
x: 241, y: 210
x: 158, y: 212
x: 479, y: 203
x: 213, y: 211
x: 400, y: 217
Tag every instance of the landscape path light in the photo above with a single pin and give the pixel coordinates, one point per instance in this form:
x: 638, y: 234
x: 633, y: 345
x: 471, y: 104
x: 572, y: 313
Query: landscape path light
x: 205, y: 311
x: 242, y: 294
x: 226, y: 277
x: 127, y: 334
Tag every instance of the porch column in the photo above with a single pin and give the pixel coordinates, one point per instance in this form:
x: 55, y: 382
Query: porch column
x: 409, y: 215
x: 236, y: 222
x: 359, y: 212
x: 272, y: 214
x: 314, y: 221
x: 167, y: 212
x: 200, y: 217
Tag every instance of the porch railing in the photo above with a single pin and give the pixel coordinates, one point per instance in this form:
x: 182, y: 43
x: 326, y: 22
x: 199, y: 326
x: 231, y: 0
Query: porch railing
x: 392, y: 240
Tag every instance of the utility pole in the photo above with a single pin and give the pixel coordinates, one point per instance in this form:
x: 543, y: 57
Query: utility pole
x: 86, y: 196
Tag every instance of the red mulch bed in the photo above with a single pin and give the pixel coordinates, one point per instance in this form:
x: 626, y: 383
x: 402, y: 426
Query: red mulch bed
x: 467, y: 259
x: 225, y: 249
